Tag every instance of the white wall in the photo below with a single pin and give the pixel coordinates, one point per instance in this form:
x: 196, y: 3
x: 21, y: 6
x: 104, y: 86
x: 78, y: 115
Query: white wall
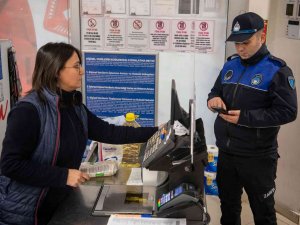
x: 193, y: 71
x: 235, y: 7
x: 288, y: 176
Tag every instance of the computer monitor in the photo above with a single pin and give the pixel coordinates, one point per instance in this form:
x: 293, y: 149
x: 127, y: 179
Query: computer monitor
x: 177, y: 112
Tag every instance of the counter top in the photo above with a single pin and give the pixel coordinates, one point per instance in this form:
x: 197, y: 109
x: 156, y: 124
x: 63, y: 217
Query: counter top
x: 78, y: 206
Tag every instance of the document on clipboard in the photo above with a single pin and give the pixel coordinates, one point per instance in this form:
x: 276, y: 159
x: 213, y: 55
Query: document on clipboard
x: 140, y: 220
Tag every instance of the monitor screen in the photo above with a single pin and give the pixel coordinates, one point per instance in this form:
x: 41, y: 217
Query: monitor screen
x: 177, y: 112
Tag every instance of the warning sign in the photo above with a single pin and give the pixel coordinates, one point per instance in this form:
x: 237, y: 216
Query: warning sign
x: 182, y: 31
x: 160, y: 34
x: 138, y: 33
x: 204, y: 36
x: 114, y: 33
x: 137, y: 24
x: 92, y: 37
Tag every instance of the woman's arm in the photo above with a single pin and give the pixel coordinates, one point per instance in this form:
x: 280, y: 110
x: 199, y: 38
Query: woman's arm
x: 100, y: 130
x: 21, y: 139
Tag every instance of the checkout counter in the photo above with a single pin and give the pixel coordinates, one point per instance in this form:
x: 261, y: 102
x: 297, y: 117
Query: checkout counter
x: 77, y: 209
x: 181, y: 157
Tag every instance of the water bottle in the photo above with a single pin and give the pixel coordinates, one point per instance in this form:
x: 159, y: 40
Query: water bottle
x: 131, y: 151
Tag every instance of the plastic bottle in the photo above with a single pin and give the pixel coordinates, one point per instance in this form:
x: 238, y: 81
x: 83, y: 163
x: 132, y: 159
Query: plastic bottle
x: 131, y: 151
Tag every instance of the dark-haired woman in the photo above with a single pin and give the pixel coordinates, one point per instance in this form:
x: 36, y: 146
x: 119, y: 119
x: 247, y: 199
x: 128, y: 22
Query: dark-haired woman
x: 46, y: 136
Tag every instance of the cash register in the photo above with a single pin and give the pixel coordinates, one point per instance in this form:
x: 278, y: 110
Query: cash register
x: 179, y: 149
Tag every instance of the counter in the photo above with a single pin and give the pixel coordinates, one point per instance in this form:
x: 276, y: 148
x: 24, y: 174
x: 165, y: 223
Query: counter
x: 77, y: 209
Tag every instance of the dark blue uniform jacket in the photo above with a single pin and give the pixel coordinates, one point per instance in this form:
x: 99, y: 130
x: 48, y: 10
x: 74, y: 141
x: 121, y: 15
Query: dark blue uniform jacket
x: 264, y: 91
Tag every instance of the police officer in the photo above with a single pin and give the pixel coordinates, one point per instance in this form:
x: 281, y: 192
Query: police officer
x: 258, y: 92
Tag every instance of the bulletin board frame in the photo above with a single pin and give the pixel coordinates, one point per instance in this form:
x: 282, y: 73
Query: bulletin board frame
x: 116, y: 83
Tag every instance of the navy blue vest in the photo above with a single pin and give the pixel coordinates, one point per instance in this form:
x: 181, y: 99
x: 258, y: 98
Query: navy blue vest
x: 20, y: 202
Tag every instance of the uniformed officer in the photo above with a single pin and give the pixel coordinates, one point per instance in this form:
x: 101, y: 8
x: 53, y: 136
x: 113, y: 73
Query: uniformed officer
x: 258, y: 92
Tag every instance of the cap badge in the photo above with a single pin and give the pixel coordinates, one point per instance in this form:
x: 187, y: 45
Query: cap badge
x: 228, y: 75
x: 236, y: 27
x: 256, y: 80
x: 291, y: 81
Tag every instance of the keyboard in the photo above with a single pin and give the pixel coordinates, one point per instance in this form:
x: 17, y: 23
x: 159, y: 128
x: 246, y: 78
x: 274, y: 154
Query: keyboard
x: 159, y: 144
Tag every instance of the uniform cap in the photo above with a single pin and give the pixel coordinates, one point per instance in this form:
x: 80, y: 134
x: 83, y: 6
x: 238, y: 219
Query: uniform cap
x: 244, y: 26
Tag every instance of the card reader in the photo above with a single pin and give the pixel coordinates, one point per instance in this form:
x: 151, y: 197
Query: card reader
x: 182, y: 193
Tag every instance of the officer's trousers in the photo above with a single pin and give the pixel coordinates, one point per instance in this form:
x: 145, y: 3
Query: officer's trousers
x: 257, y: 176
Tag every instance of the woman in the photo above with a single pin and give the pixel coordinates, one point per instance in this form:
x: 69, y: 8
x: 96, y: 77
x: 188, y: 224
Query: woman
x: 46, y: 136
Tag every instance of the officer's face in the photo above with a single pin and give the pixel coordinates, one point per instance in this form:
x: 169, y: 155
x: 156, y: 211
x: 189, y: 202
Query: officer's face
x: 249, y: 47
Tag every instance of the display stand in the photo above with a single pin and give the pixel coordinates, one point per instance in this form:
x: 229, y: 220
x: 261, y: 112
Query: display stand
x: 10, y: 86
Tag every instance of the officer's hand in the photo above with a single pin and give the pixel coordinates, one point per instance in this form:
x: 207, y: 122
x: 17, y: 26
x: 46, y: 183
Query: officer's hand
x: 76, y: 177
x: 232, y: 117
x: 216, y: 102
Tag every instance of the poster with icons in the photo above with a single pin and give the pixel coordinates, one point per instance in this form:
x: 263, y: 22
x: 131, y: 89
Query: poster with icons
x: 138, y: 33
x: 114, y: 33
x: 92, y: 33
x: 204, y: 36
x: 181, y: 37
x: 160, y: 34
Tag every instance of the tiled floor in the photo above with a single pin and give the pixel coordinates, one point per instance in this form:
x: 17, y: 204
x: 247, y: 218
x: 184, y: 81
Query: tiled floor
x: 213, y: 207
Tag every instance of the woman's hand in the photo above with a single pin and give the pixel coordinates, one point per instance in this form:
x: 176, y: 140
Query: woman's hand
x: 76, y: 177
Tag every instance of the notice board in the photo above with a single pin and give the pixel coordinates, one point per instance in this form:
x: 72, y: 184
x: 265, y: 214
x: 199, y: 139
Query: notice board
x: 119, y: 83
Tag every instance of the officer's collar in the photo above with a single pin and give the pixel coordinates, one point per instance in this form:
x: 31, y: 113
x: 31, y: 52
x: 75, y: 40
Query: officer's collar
x: 261, y: 53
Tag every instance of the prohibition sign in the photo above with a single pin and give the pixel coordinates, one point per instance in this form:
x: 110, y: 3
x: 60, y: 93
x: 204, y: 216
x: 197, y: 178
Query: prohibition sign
x: 203, y: 26
x: 160, y: 24
x: 92, y: 22
x: 137, y: 24
x: 114, y: 23
x: 181, y: 25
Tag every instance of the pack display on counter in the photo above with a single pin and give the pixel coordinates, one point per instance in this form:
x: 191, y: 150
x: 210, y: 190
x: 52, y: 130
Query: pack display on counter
x: 213, y: 153
x: 109, y: 152
x: 99, y: 169
x: 210, y: 183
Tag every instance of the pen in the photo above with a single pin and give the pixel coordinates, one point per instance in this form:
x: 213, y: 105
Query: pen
x: 133, y: 215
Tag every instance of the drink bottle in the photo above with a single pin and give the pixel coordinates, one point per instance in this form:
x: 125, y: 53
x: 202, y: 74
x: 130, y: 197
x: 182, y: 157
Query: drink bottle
x: 131, y: 151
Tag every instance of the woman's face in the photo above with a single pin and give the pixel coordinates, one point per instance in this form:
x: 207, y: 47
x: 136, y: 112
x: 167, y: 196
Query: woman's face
x: 70, y: 76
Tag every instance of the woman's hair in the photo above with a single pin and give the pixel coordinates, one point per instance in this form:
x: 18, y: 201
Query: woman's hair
x: 50, y: 59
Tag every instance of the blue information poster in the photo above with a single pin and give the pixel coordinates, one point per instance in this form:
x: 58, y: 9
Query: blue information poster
x: 119, y: 83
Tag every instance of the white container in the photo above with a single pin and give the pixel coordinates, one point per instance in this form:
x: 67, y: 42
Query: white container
x: 213, y: 153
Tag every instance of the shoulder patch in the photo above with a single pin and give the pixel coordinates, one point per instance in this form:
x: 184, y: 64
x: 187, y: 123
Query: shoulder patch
x: 291, y: 81
x: 282, y: 62
x: 232, y: 57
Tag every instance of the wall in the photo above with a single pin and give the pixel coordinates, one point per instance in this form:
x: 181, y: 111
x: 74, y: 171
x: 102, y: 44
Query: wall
x: 288, y: 191
x: 194, y: 73
x: 235, y: 7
